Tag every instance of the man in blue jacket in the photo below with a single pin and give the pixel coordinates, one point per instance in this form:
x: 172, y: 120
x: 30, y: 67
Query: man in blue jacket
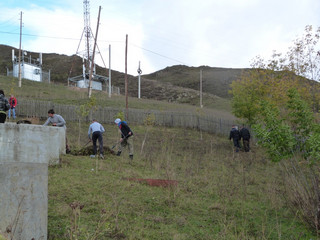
x: 126, y: 137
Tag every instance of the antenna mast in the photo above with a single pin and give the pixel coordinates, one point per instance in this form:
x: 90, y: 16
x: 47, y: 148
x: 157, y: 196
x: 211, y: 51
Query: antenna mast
x: 87, y: 34
x: 20, y: 50
x: 89, y: 79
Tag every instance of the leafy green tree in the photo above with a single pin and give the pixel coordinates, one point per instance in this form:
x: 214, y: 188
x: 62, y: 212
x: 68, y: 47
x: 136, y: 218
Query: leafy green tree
x: 247, y: 92
x: 291, y: 131
x: 282, y: 103
x: 268, y: 80
x: 292, y: 136
x: 274, y: 133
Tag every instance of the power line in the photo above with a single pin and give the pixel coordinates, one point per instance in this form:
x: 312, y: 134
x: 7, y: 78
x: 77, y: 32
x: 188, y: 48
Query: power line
x: 77, y: 39
x: 161, y: 55
x: 33, y: 35
x: 8, y: 21
x: 52, y: 37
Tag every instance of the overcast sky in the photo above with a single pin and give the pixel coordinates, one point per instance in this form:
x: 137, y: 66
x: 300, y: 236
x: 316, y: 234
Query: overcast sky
x: 161, y: 33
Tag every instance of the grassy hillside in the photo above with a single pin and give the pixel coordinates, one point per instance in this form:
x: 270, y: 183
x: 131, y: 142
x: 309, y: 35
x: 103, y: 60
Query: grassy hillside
x: 60, y: 93
x: 219, y: 195
x: 215, y: 80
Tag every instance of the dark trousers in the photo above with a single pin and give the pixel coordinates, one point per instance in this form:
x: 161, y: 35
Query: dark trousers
x: 246, y: 145
x: 97, y: 136
x: 3, y: 117
x: 236, y: 144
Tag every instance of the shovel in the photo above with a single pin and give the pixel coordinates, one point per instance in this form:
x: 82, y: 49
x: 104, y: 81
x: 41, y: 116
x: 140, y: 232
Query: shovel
x: 86, y: 144
x: 119, y: 142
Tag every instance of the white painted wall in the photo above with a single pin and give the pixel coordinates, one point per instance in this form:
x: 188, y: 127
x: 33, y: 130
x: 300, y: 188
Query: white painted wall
x: 28, y: 71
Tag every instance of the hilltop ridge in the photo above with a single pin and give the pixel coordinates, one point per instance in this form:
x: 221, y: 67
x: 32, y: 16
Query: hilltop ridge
x: 173, y: 84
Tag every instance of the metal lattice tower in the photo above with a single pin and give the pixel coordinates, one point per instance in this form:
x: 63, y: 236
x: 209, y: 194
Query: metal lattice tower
x: 87, y: 34
x: 89, y: 79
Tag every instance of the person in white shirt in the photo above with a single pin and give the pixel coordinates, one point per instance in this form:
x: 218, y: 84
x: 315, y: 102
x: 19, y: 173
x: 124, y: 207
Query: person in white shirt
x: 95, y: 133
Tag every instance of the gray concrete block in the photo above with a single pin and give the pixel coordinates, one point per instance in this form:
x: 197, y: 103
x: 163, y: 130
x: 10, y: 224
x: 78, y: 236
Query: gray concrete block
x: 26, y: 151
x: 39, y: 142
x: 24, y: 200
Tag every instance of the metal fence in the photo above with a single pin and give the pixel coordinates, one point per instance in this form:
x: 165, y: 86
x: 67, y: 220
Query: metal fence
x: 207, y: 123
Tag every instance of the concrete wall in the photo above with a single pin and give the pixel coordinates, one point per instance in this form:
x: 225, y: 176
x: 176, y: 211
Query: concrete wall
x: 26, y: 151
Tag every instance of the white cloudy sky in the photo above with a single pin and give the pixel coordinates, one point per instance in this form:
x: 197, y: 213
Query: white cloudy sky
x: 161, y: 33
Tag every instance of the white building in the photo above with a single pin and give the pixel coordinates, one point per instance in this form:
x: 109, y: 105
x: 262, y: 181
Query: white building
x: 30, y: 68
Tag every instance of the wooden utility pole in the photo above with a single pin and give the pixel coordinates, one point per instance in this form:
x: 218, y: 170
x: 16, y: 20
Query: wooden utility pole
x: 92, y: 61
x: 20, y: 49
x: 109, y: 71
x: 201, y: 88
x: 126, y: 77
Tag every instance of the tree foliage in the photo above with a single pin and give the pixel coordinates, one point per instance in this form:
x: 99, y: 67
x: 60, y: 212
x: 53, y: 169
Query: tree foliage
x: 290, y: 132
x: 273, y: 133
x: 270, y: 80
x: 304, y: 56
x: 281, y: 98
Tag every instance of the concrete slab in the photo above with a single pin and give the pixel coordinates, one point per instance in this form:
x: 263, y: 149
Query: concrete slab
x: 26, y: 151
x: 39, y: 142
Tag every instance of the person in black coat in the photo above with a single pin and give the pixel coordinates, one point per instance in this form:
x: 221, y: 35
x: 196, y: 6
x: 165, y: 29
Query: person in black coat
x: 235, y: 136
x: 4, y: 107
x: 126, y: 137
x: 245, y: 135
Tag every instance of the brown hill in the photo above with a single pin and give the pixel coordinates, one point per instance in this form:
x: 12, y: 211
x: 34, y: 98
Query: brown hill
x: 214, y: 80
x: 173, y: 84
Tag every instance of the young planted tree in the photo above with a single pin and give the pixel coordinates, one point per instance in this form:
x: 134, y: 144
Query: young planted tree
x: 84, y: 110
x: 148, y: 122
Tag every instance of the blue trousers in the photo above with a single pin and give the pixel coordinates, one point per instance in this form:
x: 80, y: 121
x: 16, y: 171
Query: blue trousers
x: 13, y: 113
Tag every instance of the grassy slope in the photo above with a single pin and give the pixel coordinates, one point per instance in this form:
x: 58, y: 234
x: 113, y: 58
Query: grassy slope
x: 215, y: 80
x: 61, y: 94
x: 219, y: 195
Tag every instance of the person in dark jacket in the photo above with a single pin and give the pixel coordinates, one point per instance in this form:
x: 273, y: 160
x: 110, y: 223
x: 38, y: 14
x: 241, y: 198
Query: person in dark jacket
x: 4, y: 107
x: 126, y: 137
x: 245, y: 135
x: 235, y: 136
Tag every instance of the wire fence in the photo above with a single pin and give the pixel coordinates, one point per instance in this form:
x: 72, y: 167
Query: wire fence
x: 202, y: 122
